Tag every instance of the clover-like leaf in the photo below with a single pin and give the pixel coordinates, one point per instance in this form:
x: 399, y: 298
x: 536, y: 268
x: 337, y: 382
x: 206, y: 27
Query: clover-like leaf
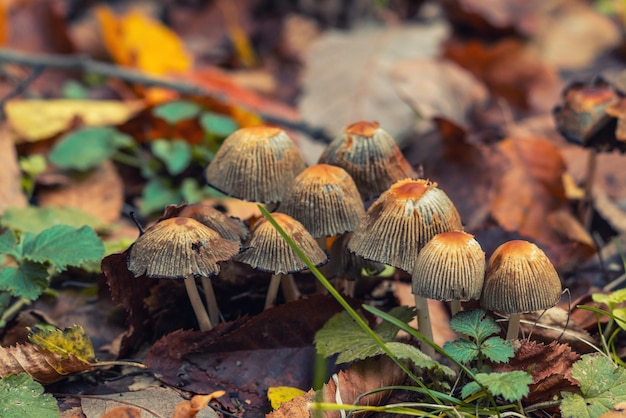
x: 462, y: 351
x: 474, y: 324
x: 219, y: 125
x: 63, y: 246
x: 175, y: 153
x: 21, y: 396
x: 602, y: 385
x: 28, y: 280
x: 512, y: 386
x: 176, y: 111
x: 497, y: 350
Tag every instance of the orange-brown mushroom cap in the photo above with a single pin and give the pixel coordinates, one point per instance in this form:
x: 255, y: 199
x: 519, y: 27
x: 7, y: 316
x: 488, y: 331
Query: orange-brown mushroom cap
x: 179, y: 247
x: 520, y: 278
x: 371, y: 156
x: 229, y: 228
x: 255, y: 164
x: 401, y: 221
x: 451, y: 266
x: 267, y: 250
x: 325, y: 200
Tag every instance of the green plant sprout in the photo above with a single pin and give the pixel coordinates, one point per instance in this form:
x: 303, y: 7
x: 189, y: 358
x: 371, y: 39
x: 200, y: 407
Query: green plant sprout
x: 31, y: 167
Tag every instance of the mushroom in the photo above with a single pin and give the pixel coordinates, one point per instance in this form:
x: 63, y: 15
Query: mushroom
x: 255, y: 164
x: 267, y: 250
x: 520, y: 278
x: 228, y: 227
x: 398, y: 225
x: 450, y: 267
x: 371, y: 156
x: 181, y: 248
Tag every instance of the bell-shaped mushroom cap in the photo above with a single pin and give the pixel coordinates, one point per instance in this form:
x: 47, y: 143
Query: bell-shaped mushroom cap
x: 451, y: 266
x: 371, y: 156
x: 346, y: 265
x: 520, y: 278
x: 401, y: 221
x: 229, y: 228
x: 267, y: 250
x: 255, y: 164
x: 325, y: 200
x: 179, y: 247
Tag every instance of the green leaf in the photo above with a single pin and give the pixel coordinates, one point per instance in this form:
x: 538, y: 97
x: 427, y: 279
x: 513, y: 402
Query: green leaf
x: 176, y: 154
x: 387, y: 330
x: 416, y: 356
x: 474, y: 324
x: 28, y: 280
x: 176, y: 111
x: 497, y: 350
x: 219, y: 125
x: 64, y: 342
x: 602, y: 385
x: 158, y: 193
x: 21, y: 396
x: 611, y: 299
x: 34, y: 219
x: 8, y: 244
x: 620, y: 316
x: 86, y: 148
x: 33, y: 165
x: 63, y: 246
x: 462, y: 351
x: 512, y: 386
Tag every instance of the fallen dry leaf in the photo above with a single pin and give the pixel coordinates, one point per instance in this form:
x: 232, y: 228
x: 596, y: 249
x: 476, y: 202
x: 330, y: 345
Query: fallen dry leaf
x: 123, y: 412
x: 493, y: 17
x: 190, y: 408
x: 11, y: 194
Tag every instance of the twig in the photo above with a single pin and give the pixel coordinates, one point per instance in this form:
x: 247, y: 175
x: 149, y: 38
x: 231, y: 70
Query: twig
x: 22, y: 85
x: 86, y: 65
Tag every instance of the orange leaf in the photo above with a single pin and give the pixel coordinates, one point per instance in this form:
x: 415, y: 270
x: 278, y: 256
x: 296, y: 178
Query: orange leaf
x: 141, y: 42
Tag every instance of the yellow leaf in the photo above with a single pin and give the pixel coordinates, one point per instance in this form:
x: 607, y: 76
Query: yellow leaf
x: 35, y: 120
x: 137, y: 40
x: 70, y: 341
x: 280, y: 394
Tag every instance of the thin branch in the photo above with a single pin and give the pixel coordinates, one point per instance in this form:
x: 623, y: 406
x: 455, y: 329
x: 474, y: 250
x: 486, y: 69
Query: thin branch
x: 86, y: 65
x: 23, y: 84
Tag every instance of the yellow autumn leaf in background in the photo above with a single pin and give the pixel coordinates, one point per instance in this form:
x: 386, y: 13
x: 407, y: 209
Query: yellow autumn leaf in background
x: 70, y: 341
x: 35, y: 120
x: 136, y: 40
x: 278, y: 395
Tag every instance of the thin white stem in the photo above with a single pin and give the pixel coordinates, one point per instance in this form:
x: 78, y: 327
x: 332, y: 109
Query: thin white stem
x: 423, y: 324
x: 289, y: 288
x: 455, y: 306
x: 211, y: 300
x: 196, y: 303
x: 513, y: 330
x: 272, y: 291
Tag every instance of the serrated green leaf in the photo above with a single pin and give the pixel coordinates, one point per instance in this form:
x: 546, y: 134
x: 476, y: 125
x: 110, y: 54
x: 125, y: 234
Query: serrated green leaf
x: 342, y: 335
x: 28, y: 280
x: 512, y: 386
x: 416, y: 356
x: 156, y: 194
x: 64, y: 342
x: 64, y: 246
x: 602, y: 385
x: 219, y: 125
x: 462, y: 351
x: 387, y: 330
x: 474, y: 324
x: 176, y: 154
x: 21, y: 396
x: 176, y: 111
x: 34, y: 219
x: 8, y: 244
x: 497, y: 350
x: 86, y: 148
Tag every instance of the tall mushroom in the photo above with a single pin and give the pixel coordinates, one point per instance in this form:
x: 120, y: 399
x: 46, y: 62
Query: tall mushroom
x: 398, y: 225
x: 181, y: 248
x: 371, y: 156
x: 267, y: 250
x: 520, y: 278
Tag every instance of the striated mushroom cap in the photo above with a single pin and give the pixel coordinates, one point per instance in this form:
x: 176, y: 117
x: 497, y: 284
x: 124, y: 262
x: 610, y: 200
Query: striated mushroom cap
x: 255, y: 164
x: 179, y: 247
x: 401, y: 221
x: 451, y: 266
x: 229, y: 228
x: 325, y: 200
x: 520, y: 278
x: 267, y: 250
x: 371, y: 156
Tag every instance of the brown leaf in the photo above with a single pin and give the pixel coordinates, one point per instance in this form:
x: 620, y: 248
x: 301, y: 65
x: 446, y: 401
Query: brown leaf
x: 11, y: 191
x: 42, y: 365
x: 190, y: 408
x: 493, y: 17
x: 123, y: 412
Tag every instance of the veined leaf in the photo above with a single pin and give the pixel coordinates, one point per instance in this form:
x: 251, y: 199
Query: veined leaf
x: 64, y: 246
x: 66, y: 342
x: 28, y: 280
x: 7, y: 244
x: 462, y: 351
x: 474, y: 324
x: 176, y: 154
x: 512, y: 386
x: 21, y: 396
x: 387, y: 330
x: 497, y: 350
x: 35, y: 219
x: 417, y: 357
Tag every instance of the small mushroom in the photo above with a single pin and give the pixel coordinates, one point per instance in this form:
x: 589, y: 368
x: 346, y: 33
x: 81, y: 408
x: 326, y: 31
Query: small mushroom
x: 255, y: 164
x: 229, y: 228
x: 181, y: 248
x: 520, y: 278
x: 267, y: 250
x: 450, y: 267
x: 371, y: 156
x: 398, y: 225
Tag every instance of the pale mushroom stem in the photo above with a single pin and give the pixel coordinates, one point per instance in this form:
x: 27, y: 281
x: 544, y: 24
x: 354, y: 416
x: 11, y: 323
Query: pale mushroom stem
x: 211, y: 300
x: 349, y: 287
x: 272, y: 291
x: 455, y: 306
x: 423, y: 323
x: 196, y: 303
x: 513, y: 330
x: 289, y: 288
